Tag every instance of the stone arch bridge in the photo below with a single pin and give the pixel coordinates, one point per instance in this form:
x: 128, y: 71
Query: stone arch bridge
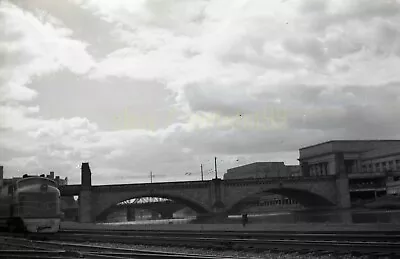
x: 212, y: 197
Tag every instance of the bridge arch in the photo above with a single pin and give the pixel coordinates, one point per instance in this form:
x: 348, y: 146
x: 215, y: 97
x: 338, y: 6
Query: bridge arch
x: 307, y: 198
x: 164, y: 207
x: 105, y: 202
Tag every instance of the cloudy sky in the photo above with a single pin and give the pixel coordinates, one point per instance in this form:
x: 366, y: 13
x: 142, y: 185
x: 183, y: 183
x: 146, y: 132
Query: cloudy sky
x: 163, y: 86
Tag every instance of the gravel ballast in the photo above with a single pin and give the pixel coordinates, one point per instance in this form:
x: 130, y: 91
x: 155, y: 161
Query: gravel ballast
x: 231, y: 253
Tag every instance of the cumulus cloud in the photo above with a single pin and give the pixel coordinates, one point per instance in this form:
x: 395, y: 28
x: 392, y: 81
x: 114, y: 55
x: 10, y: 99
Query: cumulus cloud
x: 248, y: 81
x: 42, y: 47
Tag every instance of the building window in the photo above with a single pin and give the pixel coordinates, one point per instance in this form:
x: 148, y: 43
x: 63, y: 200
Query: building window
x: 385, y: 166
x: 391, y: 165
x: 377, y: 167
x: 325, y: 168
x: 348, y: 164
x: 364, y: 168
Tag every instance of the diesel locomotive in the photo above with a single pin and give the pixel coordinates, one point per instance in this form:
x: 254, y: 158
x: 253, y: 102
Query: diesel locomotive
x: 31, y: 204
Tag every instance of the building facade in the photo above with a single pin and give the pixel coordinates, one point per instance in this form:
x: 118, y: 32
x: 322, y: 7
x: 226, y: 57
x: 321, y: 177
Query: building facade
x: 262, y: 170
x: 370, y: 165
x: 359, y: 155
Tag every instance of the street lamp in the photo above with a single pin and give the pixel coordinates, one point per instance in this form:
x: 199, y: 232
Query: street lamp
x: 152, y: 176
x: 215, y: 166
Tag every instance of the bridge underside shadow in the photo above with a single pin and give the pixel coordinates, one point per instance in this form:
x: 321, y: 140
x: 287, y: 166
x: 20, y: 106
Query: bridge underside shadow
x: 165, y: 210
x: 305, y: 198
x: 179, y: 202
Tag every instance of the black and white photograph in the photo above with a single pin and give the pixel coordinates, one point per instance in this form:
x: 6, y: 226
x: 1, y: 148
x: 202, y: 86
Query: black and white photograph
x: 200, y: 129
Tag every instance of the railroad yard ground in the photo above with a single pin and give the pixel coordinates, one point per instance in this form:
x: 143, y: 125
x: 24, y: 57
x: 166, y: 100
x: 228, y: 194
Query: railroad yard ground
x: 314, y: 227
x: 191, y: 253
x: 237, y: 254
x: 76, y: 236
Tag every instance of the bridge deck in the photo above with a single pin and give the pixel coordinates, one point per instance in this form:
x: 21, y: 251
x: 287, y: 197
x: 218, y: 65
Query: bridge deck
x: 67, y: 190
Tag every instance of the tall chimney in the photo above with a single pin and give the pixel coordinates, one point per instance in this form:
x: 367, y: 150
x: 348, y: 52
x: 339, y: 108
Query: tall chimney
x: 86, y: 175
x: 1, y: 177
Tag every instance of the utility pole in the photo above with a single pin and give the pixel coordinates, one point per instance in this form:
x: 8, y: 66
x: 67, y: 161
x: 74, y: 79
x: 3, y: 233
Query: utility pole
x: 201, y: 170
x: 151, y: 176
x: 215, y: 166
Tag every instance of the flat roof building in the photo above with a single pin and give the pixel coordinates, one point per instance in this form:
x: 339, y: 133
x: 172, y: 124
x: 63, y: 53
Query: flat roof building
x: 359, y: 156
x: 368, y: 164
x: 262, y: 170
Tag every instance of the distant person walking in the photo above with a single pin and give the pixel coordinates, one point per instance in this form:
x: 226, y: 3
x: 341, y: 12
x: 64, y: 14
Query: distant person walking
x: 244, y: 220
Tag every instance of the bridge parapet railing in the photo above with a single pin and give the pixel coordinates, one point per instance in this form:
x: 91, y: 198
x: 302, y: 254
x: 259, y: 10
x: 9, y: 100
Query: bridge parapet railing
x: 195, y: 184
x: 74, y: 189
x: 147, y: 186
x: 274, y: 180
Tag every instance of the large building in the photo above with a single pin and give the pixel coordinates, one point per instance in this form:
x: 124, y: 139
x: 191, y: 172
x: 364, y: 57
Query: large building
x: 366, y: 156
x: 372, y: 166
x: 262, y: 170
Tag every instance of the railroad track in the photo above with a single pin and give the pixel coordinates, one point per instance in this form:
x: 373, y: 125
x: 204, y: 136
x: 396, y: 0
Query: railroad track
x: 374, y: 244
x: 26, y: 248
x: 261, y: 235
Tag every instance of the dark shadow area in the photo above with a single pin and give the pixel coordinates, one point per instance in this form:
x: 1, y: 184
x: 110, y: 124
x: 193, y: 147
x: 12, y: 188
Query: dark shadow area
x: 196, y: 207
x: 305, y: 198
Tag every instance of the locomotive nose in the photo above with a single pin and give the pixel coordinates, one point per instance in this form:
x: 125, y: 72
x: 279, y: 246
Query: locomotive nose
x: 44, y: 187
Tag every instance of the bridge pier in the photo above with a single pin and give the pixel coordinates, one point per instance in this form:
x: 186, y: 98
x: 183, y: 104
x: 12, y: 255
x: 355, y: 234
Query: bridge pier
x: 130, y: 214
x: 217, y: 192
x: 154, y: 215
x: 85, y: 195
x: 219, y: 211
x: 85, y: 207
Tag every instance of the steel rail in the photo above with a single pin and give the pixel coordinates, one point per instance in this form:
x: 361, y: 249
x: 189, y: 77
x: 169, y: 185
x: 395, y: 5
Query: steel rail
x: 291, y: 245
x: 22, y: 254
x: 313, y: 244
x: 92, y: 251
x: 253, y: 243
x: 377, y: 236
x: 243, y: 231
